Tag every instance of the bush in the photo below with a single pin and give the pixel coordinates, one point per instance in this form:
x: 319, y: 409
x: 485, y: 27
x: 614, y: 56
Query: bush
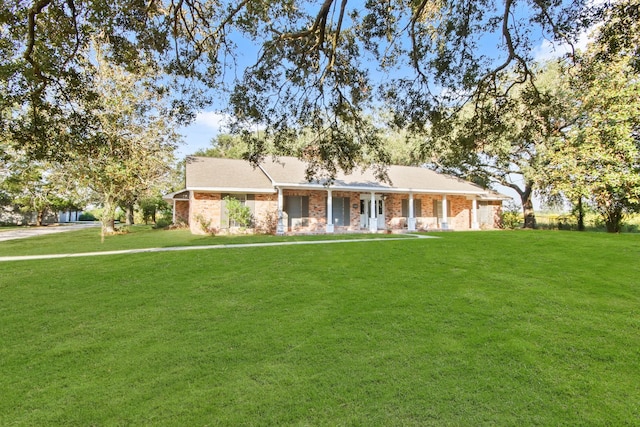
x: 87, y: 216
x: 205, y: 224
x: 162, y: 223
x: 510, y: 217
x: 239, y: 213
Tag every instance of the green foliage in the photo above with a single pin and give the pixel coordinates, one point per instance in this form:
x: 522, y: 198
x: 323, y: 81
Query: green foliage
x: 130, y: 148
x: 151, y: 207
x: 310, y: 74
x: 35, y: 186
x: 205, y: 224
x: 239, y: 214
x: 598, y: 157
x: 511, y: 217
x: 87, y: 216
x: 225, y: 146
x: 297, y: 336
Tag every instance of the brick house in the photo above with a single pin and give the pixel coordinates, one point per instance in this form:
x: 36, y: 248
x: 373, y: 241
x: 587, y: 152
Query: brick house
x: 281, y: 200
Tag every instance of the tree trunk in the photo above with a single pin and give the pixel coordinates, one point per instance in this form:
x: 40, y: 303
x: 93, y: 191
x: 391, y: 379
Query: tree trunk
x: 527, y: 207
x: 613, y: 220
x: 39, y: 217
x: 108, y: 216
x: 581, y: 226
x: 129, y: 214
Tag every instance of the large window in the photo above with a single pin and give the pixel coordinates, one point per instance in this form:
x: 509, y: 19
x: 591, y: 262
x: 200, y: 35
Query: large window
x: 437, y: 209
x: 297, y: 210
x: 485, y: 214
x: 341, y: 212
x: 246, y: 199
x: 417, y: 208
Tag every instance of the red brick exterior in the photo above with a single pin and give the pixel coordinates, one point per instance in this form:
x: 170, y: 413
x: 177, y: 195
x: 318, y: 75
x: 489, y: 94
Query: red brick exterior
x: 182, y: 211
x: 204, y: 212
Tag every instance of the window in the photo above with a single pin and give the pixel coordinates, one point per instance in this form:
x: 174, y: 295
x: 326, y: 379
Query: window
x: 297, y: 209
x: 417, y: 208
x: 342, y: 211
x: 437, y: 208
x: 485, y: 213
x: 246, y: 200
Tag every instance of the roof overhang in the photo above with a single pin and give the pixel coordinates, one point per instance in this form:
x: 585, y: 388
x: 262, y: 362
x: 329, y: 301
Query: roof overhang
x: 375, y: 189
x: 238, y: 190
x: 176, y: 195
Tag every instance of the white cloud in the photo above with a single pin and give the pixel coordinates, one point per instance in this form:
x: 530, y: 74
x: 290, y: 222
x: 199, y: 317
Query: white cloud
x: 212, y: 120
x: 549, y: 50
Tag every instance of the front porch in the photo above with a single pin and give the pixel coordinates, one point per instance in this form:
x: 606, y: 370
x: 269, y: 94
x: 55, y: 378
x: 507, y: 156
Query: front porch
x: 330, y: 211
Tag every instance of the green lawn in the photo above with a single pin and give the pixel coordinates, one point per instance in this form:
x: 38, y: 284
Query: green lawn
x: 494, y: 328
x: 140, y: 237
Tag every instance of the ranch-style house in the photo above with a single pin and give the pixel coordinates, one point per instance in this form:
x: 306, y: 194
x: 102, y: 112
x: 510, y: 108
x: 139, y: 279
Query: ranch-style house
x: 282, y: 200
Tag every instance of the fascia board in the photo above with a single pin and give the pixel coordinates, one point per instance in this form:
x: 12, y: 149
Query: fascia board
x: 365, y: 189
x: 233, y: 190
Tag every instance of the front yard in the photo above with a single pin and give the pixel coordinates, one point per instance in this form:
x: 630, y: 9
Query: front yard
x: 505, y: 328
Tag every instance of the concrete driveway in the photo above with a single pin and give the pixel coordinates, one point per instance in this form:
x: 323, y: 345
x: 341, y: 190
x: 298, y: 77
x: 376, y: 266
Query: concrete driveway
x: 25, y: 232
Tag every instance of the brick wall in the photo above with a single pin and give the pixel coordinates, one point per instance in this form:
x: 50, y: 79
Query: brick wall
x: 204, y: 213
x: 182, y: 211
x: 460, y: 218
x: 205, y: 208
x: 497, y: 213
x: 265, y: 215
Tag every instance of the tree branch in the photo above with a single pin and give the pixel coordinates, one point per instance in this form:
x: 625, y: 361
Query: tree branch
x: 31, y: 35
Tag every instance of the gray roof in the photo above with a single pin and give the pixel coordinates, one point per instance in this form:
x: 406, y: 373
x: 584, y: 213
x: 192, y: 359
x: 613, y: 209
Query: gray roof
x: 230, y: 175
x: 290, y: 172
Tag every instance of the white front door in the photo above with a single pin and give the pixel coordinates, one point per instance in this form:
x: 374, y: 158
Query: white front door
x: 365, y: 211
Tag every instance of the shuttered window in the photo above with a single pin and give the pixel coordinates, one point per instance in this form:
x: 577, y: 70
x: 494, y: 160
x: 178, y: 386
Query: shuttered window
x: 417, y: 208
x: 437, y: 208
x: 297, y: 209
x: 341, y: 211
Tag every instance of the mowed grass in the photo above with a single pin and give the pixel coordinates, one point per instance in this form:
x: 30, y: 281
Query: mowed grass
x: 142, y: 237
x: 496, y: 328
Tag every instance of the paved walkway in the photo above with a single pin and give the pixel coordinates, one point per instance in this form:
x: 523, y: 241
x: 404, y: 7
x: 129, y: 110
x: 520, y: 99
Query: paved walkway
x: 194, y: 248
x: 25, y: 232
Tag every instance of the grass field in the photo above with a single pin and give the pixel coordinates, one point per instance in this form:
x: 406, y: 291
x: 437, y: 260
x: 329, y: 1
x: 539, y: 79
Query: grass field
x: 494, y: 328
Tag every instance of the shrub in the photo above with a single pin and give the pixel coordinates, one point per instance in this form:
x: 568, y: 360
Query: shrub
x: 205, y: 224
x: 269, y: 223
x: 239, y: 213
x: 162, y: 223
x: 87, y: 216
x: 510, y: 217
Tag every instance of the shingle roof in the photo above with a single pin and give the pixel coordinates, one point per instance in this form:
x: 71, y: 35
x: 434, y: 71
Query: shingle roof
x: 208, y: 173
x: 289, y: 171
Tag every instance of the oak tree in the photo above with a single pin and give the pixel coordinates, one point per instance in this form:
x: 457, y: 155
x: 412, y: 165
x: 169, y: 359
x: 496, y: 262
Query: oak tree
x: 289, y: 67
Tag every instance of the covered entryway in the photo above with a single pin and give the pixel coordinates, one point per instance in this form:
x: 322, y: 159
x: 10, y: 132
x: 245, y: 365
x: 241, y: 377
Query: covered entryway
x: 372, y: 219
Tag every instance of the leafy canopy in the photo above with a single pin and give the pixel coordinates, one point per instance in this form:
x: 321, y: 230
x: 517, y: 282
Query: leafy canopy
x: 318, y: 67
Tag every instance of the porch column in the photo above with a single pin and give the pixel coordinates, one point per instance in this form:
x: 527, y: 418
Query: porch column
x: 330, y: 226
x: 373, y: 214
x: 445, y: 221
x: 280, y: 227
x: 173, y: 220
x: 474, y: 215
x: 411, y: 222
